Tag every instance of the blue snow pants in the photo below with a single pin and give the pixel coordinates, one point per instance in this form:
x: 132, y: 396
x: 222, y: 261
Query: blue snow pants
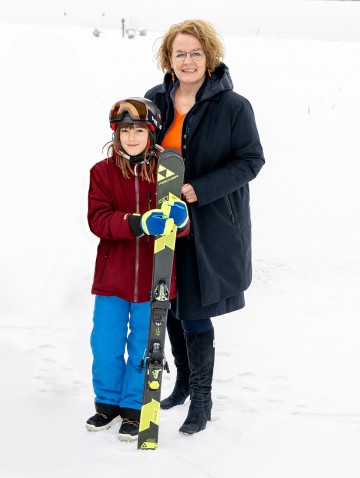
x: 118, y: 341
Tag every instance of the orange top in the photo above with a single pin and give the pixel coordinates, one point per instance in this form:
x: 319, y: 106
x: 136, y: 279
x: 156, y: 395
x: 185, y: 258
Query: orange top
x: 173, y: 137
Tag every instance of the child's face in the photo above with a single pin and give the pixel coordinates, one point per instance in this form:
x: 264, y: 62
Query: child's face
x: 134, y: 139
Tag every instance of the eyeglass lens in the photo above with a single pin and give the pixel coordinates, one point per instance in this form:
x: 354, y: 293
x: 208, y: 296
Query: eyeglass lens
x: 196, y: 55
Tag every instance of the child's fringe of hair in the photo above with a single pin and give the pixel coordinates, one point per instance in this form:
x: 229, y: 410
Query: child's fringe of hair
x: 145, y: 171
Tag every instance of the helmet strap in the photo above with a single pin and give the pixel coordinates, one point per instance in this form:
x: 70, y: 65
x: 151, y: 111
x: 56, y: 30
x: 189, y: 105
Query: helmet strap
x: 139, y: 158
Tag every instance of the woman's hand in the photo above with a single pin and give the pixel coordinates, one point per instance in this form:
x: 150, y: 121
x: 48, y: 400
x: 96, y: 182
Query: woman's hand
x: 189, y: 193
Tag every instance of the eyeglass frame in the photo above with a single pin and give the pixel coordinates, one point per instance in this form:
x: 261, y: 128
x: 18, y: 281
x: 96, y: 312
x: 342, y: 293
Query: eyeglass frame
x: 186, y: 53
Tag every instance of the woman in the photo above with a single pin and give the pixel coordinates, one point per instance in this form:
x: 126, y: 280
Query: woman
x: 122, y: 195
x: 215, y: 130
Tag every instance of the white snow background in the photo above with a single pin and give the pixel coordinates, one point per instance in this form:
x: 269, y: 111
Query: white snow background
x: 286, y: 381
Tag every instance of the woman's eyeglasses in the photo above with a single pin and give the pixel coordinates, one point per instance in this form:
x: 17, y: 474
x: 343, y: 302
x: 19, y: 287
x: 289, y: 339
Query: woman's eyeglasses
x: 195, y: 55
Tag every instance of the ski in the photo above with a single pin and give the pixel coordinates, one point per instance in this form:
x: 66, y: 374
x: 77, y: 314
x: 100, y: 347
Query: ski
x: 170, y: 175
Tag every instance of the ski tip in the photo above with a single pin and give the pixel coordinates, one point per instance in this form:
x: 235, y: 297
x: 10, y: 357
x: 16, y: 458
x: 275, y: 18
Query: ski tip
x: 170, y: 152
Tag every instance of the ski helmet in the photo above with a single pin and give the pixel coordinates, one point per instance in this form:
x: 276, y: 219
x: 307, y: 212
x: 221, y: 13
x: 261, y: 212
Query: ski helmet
x: 136, y: 110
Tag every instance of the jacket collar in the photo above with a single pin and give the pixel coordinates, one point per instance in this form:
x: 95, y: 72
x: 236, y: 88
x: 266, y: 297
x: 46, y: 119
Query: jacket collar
x: 219, y: 81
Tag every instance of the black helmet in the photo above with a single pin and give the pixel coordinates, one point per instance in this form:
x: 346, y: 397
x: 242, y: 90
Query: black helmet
x: 136, y: 110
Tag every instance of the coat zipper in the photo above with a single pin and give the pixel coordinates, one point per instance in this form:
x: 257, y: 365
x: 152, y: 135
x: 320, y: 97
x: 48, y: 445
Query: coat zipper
x: 137, y: 246
x: 149, y: 207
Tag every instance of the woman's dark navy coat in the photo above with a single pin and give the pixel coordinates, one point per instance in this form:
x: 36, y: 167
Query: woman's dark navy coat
x: 222, y: 153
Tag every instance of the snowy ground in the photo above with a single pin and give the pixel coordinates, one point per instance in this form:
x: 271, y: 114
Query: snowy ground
x: 286, y: 396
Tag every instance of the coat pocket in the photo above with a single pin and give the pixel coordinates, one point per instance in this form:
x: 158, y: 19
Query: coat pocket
x: 104, y: 266
x: 101, y: 261
x: 230, y: 209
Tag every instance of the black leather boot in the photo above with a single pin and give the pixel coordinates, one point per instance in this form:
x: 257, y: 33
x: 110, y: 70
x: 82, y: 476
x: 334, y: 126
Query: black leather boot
x: 178, y: 348
x: 201, y: 353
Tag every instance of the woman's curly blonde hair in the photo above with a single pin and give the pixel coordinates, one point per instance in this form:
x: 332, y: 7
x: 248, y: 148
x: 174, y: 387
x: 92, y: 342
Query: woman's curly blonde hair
x: 204, y: 31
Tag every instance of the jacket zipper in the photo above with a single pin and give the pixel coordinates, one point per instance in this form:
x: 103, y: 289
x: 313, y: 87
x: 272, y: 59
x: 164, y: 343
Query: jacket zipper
x: 149, y: 207
x: 137, y: 246
x: 229, y: 208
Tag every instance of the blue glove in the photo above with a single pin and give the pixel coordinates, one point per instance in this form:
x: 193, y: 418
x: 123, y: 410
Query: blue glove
x: 177, y: 210
x: 156, y: 223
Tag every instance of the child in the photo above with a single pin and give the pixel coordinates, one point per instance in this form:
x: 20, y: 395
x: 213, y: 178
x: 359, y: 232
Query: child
x: 122, y: 195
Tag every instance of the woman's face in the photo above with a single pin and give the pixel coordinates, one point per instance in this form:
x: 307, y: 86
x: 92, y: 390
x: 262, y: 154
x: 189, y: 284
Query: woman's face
x: 134, y: 139
x: 188, y: 59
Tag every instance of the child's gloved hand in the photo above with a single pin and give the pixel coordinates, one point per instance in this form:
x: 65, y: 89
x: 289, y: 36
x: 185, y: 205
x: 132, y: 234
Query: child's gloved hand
x: 156, y: 223
x: 177, y: 210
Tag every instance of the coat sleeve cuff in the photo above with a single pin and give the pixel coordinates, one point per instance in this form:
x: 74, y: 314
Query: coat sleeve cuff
x: 134, y: 223
x: 184, y: 231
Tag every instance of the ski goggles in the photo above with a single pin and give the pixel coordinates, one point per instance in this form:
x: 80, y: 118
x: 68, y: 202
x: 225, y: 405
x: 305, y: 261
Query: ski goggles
x: 130, y: 111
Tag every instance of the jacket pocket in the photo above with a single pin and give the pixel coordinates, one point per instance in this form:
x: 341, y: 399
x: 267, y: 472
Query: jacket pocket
x: 102, y: 271
x: 230, y: 209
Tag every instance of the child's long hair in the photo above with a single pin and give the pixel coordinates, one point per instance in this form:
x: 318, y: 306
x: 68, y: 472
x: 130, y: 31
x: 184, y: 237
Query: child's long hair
x: 145, y: 170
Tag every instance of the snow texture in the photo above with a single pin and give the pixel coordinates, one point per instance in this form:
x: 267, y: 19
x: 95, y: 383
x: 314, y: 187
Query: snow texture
x: 286, y: 392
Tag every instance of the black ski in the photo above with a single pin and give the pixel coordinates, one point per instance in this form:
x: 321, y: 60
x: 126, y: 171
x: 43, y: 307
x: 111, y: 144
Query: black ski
x: 170, y: 175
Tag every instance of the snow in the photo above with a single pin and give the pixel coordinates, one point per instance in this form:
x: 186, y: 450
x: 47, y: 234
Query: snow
x: 286, y: 396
